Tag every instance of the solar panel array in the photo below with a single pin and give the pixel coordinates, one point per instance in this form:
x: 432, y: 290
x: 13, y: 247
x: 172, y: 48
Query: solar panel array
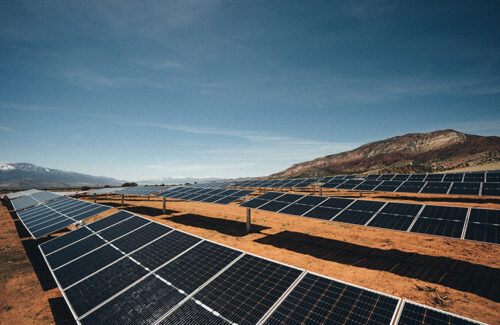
x: 473, y: 183
x: 456, y: 222
x: 127, y: 269
x: 220, y: 184
x: 59, y: 214
x: 201, y: 194
x: 413, y: 313
x: 106, y: 190
x: 33, y: 199
x: 141, y: 190
x: 15, y: 195
x: 422, y: 187
x: 296, y: 182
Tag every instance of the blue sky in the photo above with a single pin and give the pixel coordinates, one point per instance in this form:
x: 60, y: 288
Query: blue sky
x: 151, y: 89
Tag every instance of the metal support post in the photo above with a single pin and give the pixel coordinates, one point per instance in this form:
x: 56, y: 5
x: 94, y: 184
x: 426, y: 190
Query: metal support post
x: 249, y: 219
x: 95, y: 198
x: 123, y: 199
x: 164, y: 210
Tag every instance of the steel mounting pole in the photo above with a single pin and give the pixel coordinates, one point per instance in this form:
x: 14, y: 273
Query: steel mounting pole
x: 249, y: 219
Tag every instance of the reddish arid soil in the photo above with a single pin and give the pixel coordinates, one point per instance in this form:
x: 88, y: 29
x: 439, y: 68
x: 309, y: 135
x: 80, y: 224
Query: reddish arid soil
x: 459, y: 276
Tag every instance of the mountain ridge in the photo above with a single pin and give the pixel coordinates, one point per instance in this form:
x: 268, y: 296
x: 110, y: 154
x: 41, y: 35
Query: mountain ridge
x: 14, y: 176
x: 435, y: 151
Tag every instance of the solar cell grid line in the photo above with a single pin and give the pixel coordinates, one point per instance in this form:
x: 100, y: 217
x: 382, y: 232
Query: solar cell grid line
x: 318, y: 299
x: 119, y: 288
x: 415, y: 313
x: 80, y: 248
x: 191, y: 312
x: 493, y: 177
x: 74, y: 236
x: 368, y: 185
x: 490, y: 189
x: 146, y: 302
x: 465, y: 188
x: 245, y: 291
x: 401, y: 177
x: 94, y: 261
x: 474, y: 177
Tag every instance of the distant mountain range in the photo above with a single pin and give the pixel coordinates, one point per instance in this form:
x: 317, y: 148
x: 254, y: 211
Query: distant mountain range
x: 410, y: 153
x: 14, y: 176
x: 183, y: 180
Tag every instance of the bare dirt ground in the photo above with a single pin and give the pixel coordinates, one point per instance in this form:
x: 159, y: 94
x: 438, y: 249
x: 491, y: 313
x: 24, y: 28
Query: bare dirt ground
x: 490, y: 166
x: 459, y: 276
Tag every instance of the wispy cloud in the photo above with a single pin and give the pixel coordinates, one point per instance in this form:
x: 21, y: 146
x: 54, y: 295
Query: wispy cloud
x: 27, y: 107
x: 5, y: 128
x: 252, y: 154
x: 90, y: 79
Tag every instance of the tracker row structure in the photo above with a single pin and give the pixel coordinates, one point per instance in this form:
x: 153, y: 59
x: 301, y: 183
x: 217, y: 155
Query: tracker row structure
x: 55, y: 215
x: 126, y: 269
x: 475, y: 224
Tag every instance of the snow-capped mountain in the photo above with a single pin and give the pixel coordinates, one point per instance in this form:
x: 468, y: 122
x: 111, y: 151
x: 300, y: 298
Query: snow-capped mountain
x: 26, y: 175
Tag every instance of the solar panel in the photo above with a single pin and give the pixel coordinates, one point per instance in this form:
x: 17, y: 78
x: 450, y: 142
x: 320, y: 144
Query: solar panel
x: 386, y: 177
x: 457, y: 177
x: 192, y: 312
x: 425, y: 219
x: 417, y: 177
x: 174, y: 278
x: 403, y: 183
x: 410, y: 187
x: 354, y: 217
x: 401, y: 177
x: 61, y: 241
x: 402, y: 208
x: 493, y: 177
x: 484, y: 225
x: 350, y: 184
x: 296, y: 209
x: 388, y: 186
x: 368, y: 185
x: 445, y: 228
x: 491, y: 189
x: 92, y: 291
x: 474, y: 177
x: 164, y: 249
x: 413, y: 313
x: 141, y: 190
x: 465, y: 188
x: 84, y: 265
x: 198, y: 265
x: 391, y: 221
x: 208, y: 195
x: 434, y: 177
x: 144, y: 303
x: 245, y: 291
x: 436, y: 188
x: 52, y: 216
x: 321, y: 212
x: 319, y: 300
x: 106, y: 190
x: 16, y: 195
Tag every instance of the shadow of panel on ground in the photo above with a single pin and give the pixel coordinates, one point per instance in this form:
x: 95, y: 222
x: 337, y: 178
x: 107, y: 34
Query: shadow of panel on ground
x: 39, y: 266
x: 224, y: 226
x: 463, y: 276
x: 61, y: 312
x: 149, y: 211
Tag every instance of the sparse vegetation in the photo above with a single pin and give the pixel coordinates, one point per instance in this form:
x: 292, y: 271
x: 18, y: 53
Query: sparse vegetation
x: 129, y: 184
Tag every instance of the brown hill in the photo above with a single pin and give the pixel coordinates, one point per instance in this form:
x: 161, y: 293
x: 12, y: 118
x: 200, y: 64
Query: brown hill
x: 410, y: 153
